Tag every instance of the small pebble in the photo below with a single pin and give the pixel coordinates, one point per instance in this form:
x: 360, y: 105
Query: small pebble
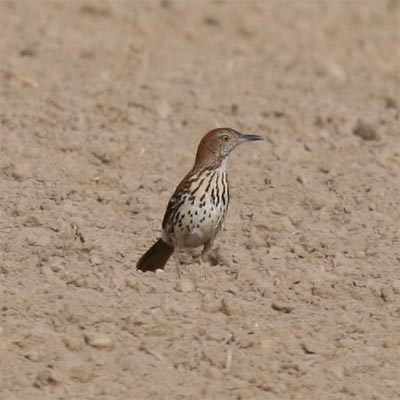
x: 95, y: 260
x: 56, y: 267
x: 80, y: 373
x: 228, y: 307
x: 130, y: 282
x: 47, y: 377
x: 276, y: 252
x: 396, y: 287
x: 282, y: 308
x: 99, y: 340
x: 34, y: 356
x: 390, y: 102
x: 387, y: 294
x: 211, y: 307
x: 365, y: 131
x: 73, y: 343
x: 184, y: 285
x: 319, y: 345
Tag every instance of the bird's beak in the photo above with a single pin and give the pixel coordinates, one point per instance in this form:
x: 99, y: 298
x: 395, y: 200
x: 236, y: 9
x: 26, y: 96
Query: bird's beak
x: 250, y: 138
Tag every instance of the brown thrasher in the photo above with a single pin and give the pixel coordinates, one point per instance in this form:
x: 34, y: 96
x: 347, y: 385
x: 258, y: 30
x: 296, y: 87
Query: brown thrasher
x: 197, y: 209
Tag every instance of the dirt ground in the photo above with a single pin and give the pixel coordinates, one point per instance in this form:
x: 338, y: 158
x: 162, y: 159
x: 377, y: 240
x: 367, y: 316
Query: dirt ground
x: 102, y: 105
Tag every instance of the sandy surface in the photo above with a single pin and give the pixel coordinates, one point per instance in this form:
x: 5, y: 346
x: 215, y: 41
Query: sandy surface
x: 102, y: 104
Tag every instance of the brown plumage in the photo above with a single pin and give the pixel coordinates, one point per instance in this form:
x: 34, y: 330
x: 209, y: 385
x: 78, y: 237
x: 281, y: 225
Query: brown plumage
x: 197, y: 208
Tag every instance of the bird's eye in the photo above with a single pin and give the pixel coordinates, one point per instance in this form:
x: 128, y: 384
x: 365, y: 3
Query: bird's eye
x: 225, y: 138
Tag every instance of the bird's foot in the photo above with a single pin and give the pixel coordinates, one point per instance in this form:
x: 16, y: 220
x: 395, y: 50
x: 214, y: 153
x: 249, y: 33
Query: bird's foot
x: 203, y: 265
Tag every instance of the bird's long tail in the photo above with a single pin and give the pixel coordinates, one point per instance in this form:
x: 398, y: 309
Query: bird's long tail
x: 156, y: 257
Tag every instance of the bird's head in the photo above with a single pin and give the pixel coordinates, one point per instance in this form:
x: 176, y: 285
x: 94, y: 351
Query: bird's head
x: 218, y: 143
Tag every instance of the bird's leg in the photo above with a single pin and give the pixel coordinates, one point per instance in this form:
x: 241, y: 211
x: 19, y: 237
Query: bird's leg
x: 177, y: 263
x: 206, y: 249
x: 203, y: 264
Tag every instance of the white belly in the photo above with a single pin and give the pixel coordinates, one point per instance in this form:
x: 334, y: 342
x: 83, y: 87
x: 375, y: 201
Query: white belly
x: 199, y: 217
x: 197, y: 224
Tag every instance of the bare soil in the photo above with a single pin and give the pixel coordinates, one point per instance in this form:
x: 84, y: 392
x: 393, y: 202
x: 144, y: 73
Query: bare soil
x: 102, y: 105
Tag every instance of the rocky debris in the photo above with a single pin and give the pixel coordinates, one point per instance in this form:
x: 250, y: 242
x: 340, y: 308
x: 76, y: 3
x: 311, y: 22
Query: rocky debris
x: 185, y: 285
x: 365, y: 131
x: 47, y: 377
x: 99, y: 340
x: 284, y: 308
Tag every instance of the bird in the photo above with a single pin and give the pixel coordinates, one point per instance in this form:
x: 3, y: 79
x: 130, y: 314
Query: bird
x: 197, y: 208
